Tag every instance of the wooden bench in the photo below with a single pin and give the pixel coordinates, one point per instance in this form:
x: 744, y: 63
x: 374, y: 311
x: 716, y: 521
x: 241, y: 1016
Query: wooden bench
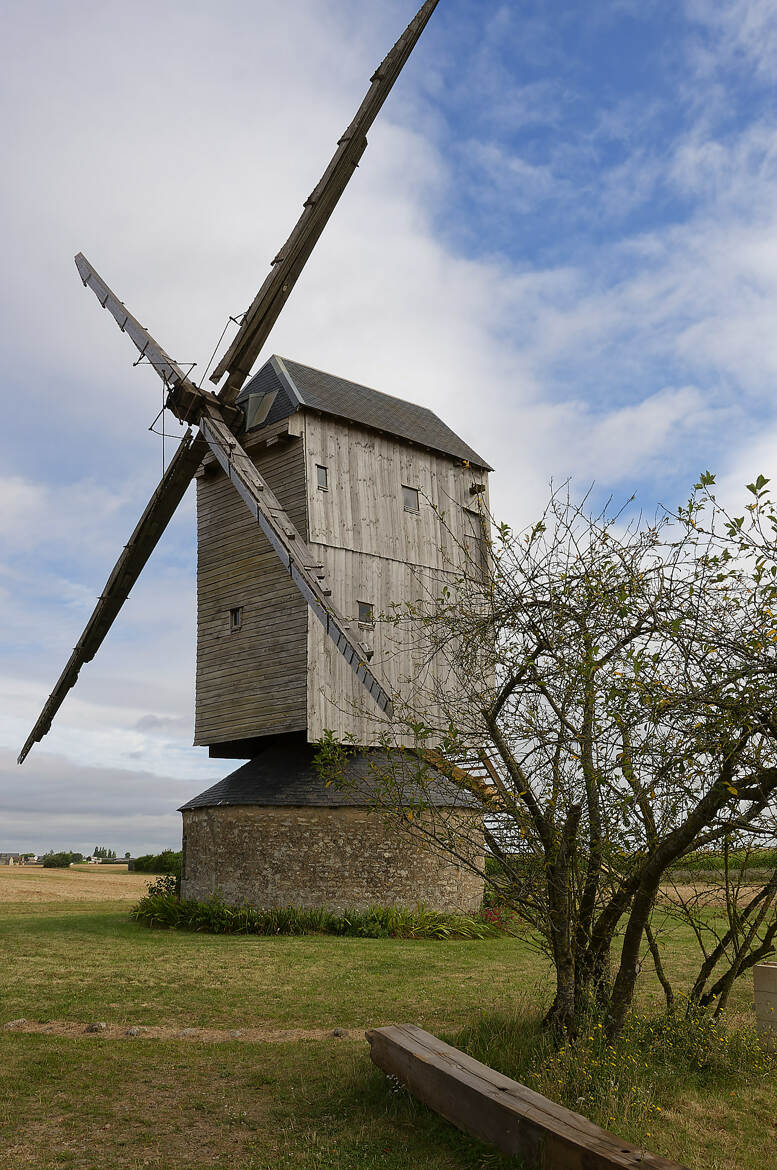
x: 496, y: 1109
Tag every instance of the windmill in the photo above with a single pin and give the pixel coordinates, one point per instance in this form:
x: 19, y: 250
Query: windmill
x: 260, y: 694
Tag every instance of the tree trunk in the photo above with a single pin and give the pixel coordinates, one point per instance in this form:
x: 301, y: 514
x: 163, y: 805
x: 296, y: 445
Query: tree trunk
x: 659, y: 966
x: 625, y: 980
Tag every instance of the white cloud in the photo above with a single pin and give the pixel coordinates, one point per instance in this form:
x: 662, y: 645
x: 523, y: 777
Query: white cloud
x: 744, y: 32
x: 643, y: 437
x: 133, y: 812
x: 179, y: 173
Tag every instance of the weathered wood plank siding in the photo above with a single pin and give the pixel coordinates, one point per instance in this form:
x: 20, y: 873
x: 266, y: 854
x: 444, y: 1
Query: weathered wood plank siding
x: 375, y: 551
x: 250, y: 681
x: 363, y: 507
x: 279, y: 672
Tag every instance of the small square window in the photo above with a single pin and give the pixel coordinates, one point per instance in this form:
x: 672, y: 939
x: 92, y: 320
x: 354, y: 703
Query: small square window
x: 235, y: 618
x: 366, y: 613
x: 410, y: 499
x: 322, y: 477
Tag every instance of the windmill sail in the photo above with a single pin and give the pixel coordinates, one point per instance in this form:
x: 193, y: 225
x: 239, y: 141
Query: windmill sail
x: 293, y: 551
x: 291, y: 259
x: 169, y: 371
x: 237, y: 363
x: 126, y: 571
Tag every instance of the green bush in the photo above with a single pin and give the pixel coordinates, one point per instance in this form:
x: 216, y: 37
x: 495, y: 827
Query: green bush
x: 707, y: 861
x: 504, y: 883
x: 625, y: 1083
x: 161, y: 907
x: 61, y: 860
x: 168, y: 861
x: 165, y: 884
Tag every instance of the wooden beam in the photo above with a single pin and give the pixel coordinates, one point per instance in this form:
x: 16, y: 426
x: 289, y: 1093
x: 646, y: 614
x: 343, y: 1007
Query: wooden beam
x: 126, y: 571
x: 185, y: 399
x: 460, y: 777
x: 765, y: 1000
x: 498, y: 1110
x: 289, y: 262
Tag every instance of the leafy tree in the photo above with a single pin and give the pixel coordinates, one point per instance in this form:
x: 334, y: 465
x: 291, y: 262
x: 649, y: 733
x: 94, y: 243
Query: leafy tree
x: 53, y: 860
x: 168, y: 861
x: 608, y: 704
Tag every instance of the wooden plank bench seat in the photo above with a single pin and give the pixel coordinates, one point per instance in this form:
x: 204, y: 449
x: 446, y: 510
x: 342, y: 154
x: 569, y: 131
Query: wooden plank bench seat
x: 496, y: 1109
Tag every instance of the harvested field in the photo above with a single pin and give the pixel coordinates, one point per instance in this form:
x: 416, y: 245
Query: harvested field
x: 702, y: 894
x: 87, y: 884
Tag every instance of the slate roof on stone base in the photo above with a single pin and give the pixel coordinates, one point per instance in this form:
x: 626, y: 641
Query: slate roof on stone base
x: 284, y: 775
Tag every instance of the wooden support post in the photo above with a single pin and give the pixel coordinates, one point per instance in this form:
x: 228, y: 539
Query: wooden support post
x: 496, y: 1109
x: 765, y: 998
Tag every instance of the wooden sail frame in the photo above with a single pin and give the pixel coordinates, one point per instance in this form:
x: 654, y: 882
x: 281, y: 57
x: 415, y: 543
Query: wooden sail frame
x: 220, y: 418
x: 318, y: 207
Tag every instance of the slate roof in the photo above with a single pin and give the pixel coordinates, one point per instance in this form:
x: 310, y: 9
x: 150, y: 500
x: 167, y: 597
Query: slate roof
x: 303, y: 386
x: 283, y: 774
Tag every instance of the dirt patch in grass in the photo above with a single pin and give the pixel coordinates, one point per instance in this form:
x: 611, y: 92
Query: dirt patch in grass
x: 95, y: 884
x: 77, y: 1030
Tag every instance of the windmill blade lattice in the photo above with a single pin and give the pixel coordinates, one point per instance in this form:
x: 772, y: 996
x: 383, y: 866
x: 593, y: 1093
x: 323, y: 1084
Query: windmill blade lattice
x: 126, y: 571
x: 291, y: 259
x: 169, y: 371
x: 218, y: 415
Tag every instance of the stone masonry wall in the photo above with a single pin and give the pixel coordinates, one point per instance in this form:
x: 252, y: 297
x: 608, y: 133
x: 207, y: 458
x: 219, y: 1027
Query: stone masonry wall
x: 334, y: 857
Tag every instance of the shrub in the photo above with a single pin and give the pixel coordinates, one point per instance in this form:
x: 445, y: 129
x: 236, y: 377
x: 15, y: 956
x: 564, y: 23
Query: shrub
x: 168, y: 861
x: 61, y: 860
x: 708, y: 861
x: 160, y: 907
x: 166, y: 885
x: 622, y: 1083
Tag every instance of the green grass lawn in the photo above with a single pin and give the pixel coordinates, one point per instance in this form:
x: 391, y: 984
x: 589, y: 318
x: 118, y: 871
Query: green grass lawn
x: 93, y: 1104
x: 86, y: 964
x: 88, y: 1102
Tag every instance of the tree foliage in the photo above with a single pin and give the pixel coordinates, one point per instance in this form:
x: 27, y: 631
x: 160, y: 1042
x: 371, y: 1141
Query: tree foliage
x: 616, y: 681
x: 168, y: 861
x: 61, y: 860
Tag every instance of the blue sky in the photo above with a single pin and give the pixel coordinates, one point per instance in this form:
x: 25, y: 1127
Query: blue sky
x: 561, y: 238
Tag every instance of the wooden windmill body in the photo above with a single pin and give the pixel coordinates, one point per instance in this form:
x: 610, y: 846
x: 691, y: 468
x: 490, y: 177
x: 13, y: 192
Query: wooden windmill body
x: 388, y: 500
x: 310, y: 522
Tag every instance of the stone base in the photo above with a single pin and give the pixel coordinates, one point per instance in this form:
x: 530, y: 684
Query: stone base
x: 338, y: 857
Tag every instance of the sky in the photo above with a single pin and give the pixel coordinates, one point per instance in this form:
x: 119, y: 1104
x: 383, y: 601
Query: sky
x: 561, y: 238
